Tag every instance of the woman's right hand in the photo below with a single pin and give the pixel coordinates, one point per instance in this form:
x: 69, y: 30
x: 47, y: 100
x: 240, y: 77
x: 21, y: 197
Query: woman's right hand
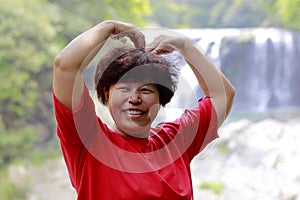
x: 77, y: 54
x: 122, y: 29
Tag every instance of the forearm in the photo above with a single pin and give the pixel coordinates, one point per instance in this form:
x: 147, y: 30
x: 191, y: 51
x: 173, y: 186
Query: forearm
x: 69, y: 63
x: 212, y: 81
x: 208, y: 76
x: 73, y: 55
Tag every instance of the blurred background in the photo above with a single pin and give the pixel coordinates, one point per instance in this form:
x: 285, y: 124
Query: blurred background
x: 256, y: 43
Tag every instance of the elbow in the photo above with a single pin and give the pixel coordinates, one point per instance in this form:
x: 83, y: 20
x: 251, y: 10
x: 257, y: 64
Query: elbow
x: 230, y: 99
x: 231, y: 94
x: 57, y: 62
x: 60, y: 64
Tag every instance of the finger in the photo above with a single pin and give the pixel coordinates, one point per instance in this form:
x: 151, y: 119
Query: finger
x: 138, y: 39
x: 161, y: 46
x: 135, y: 36
x: 154, y: 44
x: 119, y: 36
x: 165, y: 50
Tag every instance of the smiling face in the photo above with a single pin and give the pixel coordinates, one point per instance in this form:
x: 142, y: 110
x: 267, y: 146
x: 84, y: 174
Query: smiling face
x: 122, y: 80
x: 133, y: 107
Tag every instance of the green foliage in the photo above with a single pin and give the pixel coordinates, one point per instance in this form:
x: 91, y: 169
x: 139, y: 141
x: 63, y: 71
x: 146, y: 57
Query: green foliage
x: 204, y: 13
x: 9, y: 191
x: 77, y: 16
x: 169, y: 13
x: 16, y: 143
x: 27, y: 47
x: 278, y: 13
x: 289, y: 13
x: 227, y: 13
x: 32, y: 33
x: 216, y: 186
x: 223, y: 148
x: 136, y: 10
x: 14, y: 184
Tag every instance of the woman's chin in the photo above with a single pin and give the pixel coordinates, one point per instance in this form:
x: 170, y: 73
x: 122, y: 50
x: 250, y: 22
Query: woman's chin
x: 135, y: 130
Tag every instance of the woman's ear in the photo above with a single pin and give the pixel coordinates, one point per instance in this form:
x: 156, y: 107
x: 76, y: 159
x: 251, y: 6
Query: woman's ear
x: 106, y: 94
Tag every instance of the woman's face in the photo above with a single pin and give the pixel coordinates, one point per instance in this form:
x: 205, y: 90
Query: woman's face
x: 133, y: 107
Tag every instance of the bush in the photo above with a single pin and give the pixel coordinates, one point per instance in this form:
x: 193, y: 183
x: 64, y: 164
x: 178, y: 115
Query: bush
x: 16, y: 144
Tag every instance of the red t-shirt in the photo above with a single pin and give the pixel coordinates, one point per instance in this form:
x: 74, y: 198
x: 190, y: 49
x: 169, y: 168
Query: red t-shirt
x: 104, y: 165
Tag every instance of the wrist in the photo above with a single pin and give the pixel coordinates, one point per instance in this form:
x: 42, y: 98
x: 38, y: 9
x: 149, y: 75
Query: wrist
x: 108, y: 26
x: 186, y: 46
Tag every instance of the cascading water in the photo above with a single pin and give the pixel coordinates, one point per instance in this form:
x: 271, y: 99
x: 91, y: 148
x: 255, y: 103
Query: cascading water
x: 262, y: 64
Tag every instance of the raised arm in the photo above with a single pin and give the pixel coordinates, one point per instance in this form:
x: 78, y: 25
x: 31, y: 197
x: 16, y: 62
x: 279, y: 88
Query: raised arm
x: 212, y: 81
x: 70, y: 62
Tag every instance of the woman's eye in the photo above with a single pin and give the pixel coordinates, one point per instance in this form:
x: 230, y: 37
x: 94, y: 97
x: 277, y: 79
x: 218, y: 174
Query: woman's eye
x: 146, y: 90
x: 124, y: 89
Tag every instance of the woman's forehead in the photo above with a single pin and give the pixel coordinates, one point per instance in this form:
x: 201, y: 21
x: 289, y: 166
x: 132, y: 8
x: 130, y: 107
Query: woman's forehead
x: 136, y: 84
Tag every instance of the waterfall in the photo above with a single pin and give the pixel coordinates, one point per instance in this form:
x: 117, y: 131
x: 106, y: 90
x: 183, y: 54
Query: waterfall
x: 262, y: 63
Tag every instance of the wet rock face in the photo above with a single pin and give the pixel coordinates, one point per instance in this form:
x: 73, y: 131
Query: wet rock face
x: 263, y: 64
x: 264, y: 67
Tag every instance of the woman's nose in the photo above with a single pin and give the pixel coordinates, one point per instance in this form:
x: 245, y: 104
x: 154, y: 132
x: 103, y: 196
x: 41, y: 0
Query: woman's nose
x: 135, y: 98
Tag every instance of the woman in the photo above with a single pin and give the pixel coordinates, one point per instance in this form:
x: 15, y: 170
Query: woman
x: 132, y: 160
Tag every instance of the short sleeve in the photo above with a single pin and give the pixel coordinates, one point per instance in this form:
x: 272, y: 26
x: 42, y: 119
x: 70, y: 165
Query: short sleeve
x: 67, y: 126
x: 73, y: 129
x: 207, y: 130
x: 194, y: 130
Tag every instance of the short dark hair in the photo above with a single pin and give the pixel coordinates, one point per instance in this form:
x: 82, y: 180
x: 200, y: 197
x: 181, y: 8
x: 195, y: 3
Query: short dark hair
x: 128, y: 64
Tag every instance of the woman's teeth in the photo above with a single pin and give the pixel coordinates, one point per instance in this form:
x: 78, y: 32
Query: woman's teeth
x: 133, y: 112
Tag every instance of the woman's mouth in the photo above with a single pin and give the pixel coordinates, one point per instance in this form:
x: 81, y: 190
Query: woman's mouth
x: 134, y: 112
x: 138, y: 116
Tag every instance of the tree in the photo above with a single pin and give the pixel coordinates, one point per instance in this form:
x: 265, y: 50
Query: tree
x: 169, y: 13
x: 227, y: 13
x: 32, y: 33
x: 207, y: 13
x: 283, y: 13
x: 77, y: 16
x: 27, y: 47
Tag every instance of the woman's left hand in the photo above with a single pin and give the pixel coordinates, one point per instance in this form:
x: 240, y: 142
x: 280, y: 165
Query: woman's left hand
x: 165, y: 44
